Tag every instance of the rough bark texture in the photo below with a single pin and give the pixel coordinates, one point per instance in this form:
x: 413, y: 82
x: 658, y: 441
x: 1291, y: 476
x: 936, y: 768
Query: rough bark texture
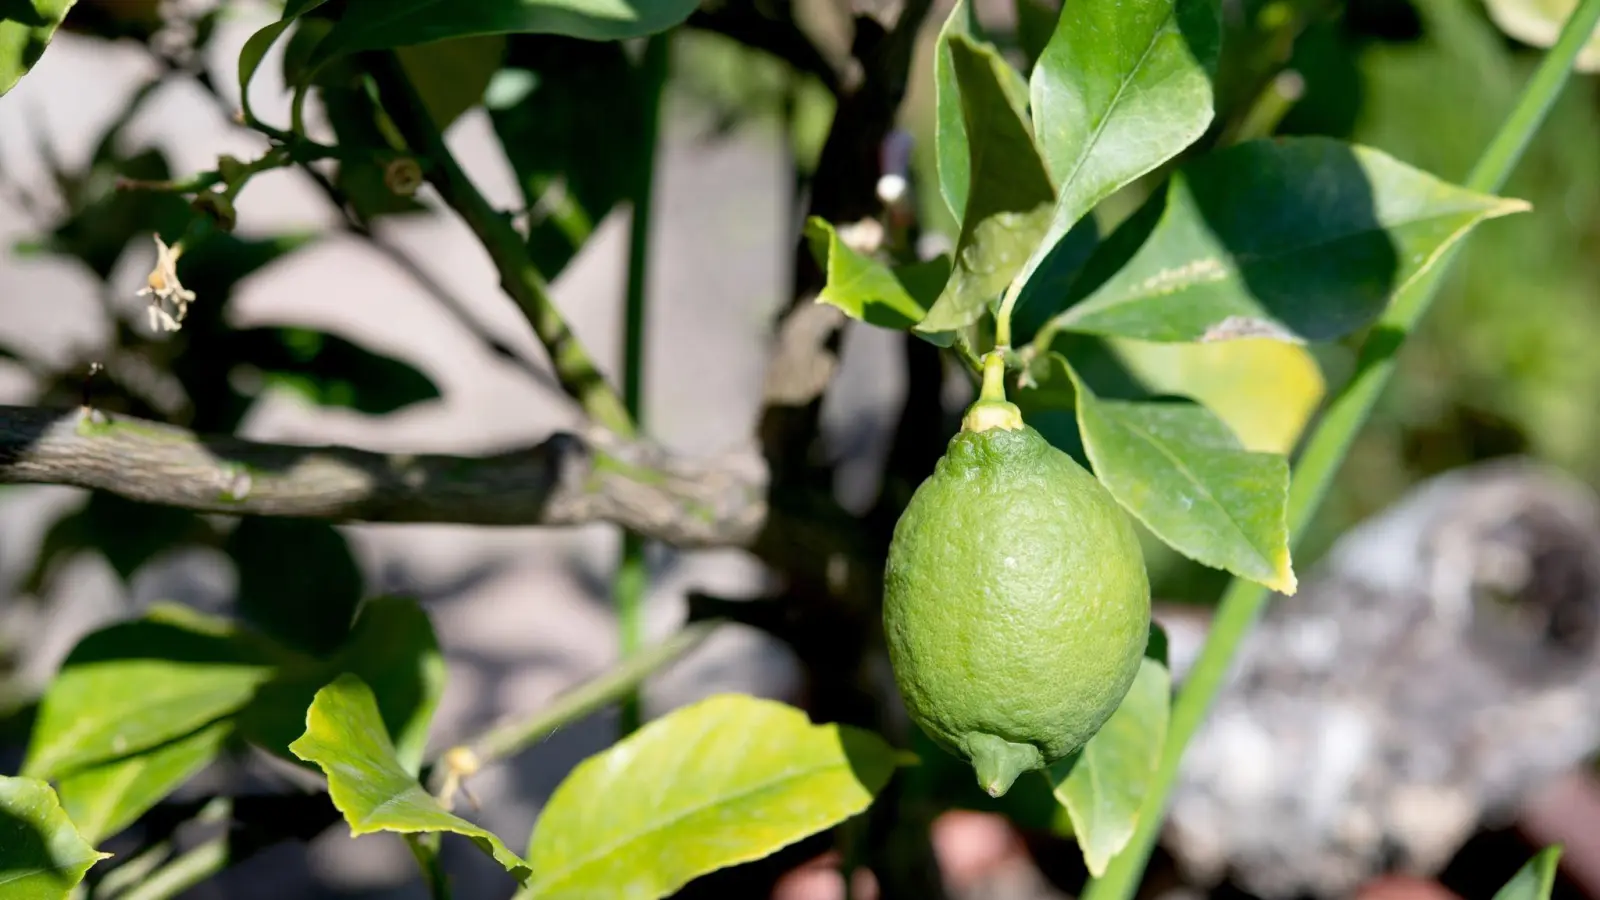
x: 1438, y: 668
x: 566, y: 480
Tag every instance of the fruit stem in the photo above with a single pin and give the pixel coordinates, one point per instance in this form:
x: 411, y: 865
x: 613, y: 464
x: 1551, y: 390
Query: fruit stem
x: 994, y: 376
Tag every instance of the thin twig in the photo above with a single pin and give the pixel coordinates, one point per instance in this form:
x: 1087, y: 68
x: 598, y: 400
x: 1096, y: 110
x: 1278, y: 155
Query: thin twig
x: 573, y: 365
x: 512, y: 737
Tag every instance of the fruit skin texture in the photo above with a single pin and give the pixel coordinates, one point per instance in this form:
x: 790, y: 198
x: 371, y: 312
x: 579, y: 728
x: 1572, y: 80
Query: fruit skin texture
x: 1016, y: 604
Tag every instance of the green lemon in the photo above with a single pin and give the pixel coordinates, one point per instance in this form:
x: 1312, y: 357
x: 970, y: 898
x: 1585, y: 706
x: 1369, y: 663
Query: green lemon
x: 1016, y: 604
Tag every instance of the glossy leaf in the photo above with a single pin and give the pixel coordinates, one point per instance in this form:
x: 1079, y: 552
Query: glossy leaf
x: 868, y: 290
x: 256, y: 46
x: 1300, y: 238
x: 381, y: 24
x: 107, y: 798
x: 392, y: 648
x: 451, y: 76
x: 950, y: 129
x: 726, y: 780
x: 1103, y: 787
x: 331, y: 371
x: 573, y: 158
x: 1009, y: 199
x: 1182, y: 473
x: 298, y: 580
x: 1536, y: 880
x: 1538, y: 22
x: 1264, y: 390
x: 137, y: 685
x: 345, y: 735
x: 951, y: 159
x: 42, y: 856
x: 26, y: 27
x: 1121, y: 88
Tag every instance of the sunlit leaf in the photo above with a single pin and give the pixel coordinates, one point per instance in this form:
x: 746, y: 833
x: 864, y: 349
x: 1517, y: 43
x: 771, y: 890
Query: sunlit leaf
x: 1179, y: 470
x: 107, y: 798
x: 345, y: 736
x: 42, y: 856
x: 1009, y: 193
x: 1103, y: 786
x: 137, y: 685
x: 1294, y: 239
x: 871, y: 291
x: 1121, y: 88
x: 26, y: 27
x: 726, y: 780
x: 1536, y: 880
x: 393, y: 649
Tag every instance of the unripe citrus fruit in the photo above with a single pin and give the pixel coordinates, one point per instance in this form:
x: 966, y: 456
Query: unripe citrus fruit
x: 1016, y: 604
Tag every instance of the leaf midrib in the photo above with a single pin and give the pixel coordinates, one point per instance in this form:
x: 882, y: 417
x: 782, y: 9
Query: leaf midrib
x: 1235, y: 264
x: 669, y: 821
x: 1177, y: 463
x: 1122, y: 87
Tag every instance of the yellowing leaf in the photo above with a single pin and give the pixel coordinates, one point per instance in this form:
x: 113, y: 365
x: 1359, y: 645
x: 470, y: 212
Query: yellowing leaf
x: 1264, y: 389
x: 726, y: 780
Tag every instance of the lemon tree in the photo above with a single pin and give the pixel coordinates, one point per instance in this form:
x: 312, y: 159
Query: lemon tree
x: 1135, y: 283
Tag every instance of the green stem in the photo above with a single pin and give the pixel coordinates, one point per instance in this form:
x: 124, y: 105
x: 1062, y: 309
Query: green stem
x: 1325, y: 451
x: 575, y: 369
x: 512, y: 738
x: 184, y: 872
x: 425, y: 847
x: 632, y: 579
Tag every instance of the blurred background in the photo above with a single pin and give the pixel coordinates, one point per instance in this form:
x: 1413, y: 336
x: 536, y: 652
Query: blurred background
x: 309, y: 330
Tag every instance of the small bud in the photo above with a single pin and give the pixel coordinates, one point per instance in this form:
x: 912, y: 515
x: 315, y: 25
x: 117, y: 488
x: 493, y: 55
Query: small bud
x: 402, y: 176
x: 218, y: 207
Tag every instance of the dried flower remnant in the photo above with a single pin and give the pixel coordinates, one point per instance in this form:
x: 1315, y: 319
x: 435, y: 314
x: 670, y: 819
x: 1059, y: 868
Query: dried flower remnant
x: 164, y: 289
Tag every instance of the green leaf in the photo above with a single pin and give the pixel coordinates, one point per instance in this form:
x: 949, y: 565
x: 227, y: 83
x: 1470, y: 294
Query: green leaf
x: 256, y: 47
x: 26, y: 27
x: 1296, y: 238
x: 1036, y: 21
x: 393, y: 650
x: 1009, y: 200
x: 345, y: 735
x: 1121, y: 88
x: 380, y: 24
x: 1538, y: 23
x: 42, y: 857
x: 451, y: 76
x: 868, y: 290
x: 1535, y: 880
x: 1182, y: 473
x: 298, y: 581
x: 1103, y: 787
x: 332, y: 371
x: 136, y: 685
x: 726, y: 780
x: 950, y: 129
x: 107, y: 798
x: 574, y: 159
